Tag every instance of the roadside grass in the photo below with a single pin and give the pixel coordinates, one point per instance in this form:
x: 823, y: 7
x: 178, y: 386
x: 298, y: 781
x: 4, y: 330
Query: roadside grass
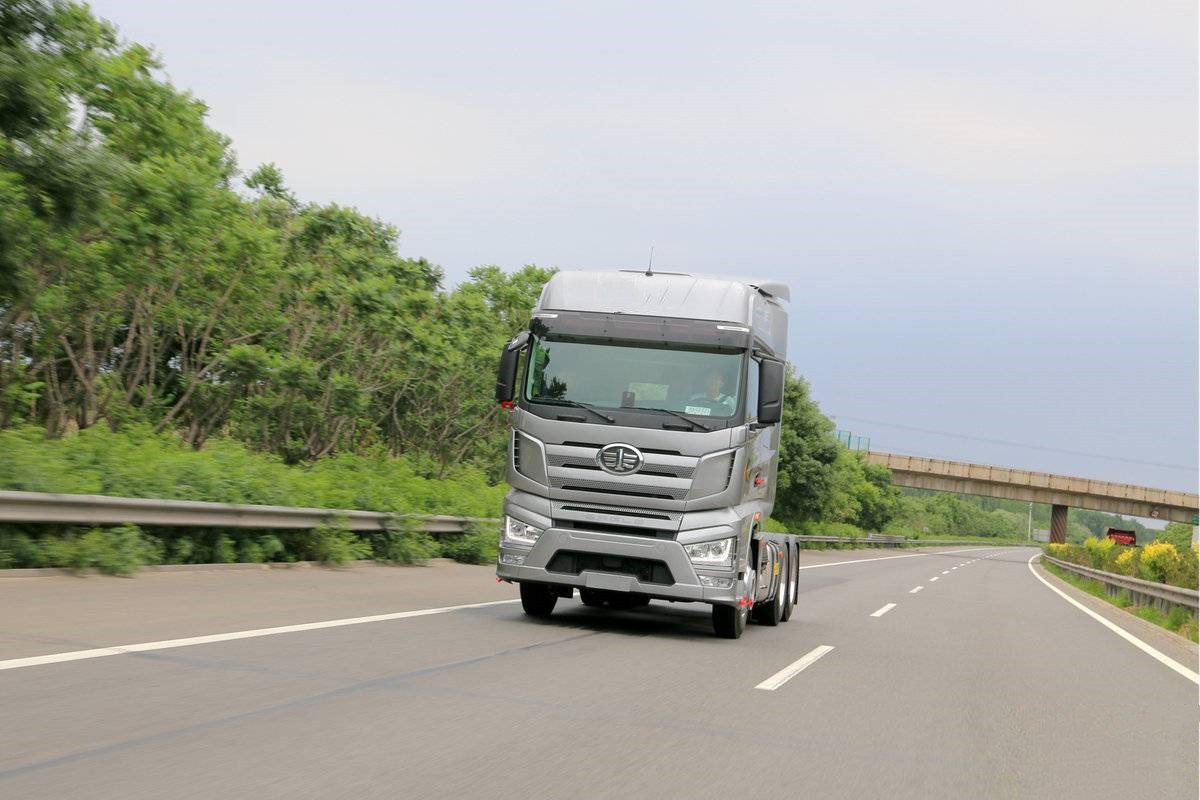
x: 1178, y: 620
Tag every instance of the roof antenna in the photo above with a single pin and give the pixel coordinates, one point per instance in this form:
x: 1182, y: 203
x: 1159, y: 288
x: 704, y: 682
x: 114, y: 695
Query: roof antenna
x: 650, y: 265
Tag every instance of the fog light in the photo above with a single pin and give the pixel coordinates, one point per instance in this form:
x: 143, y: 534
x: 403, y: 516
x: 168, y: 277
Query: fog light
x: 512, y: 559
x: 716, y: 583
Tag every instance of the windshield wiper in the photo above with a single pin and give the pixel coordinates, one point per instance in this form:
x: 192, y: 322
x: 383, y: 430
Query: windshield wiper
x: 683, y: 417
x: 575, y: 404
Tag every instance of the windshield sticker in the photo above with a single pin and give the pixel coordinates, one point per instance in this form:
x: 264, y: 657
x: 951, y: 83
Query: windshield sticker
x: 698, y: 410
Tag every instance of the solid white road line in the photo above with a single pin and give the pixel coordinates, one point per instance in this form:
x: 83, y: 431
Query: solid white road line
x: 795, y: 668
x: 884, y: 610
x: 1117, y: 629
x: 862, y: 561
x: 167, y: 644
x: 914, y: 591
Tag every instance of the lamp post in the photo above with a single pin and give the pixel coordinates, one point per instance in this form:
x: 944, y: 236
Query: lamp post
x: 1029, y: 532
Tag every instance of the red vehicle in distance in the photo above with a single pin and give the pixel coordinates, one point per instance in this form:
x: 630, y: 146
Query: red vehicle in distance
x: 1128, y: 538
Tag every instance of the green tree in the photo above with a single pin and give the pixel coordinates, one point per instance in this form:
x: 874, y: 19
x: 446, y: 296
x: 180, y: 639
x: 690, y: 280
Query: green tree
x: 807, y: 453
x: 1177, y: 533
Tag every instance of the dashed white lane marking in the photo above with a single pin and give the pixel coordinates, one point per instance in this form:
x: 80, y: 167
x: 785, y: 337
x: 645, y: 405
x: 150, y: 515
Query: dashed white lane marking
x: 884, y: 610
x: 795, y: 668
x: 934, y: 578
x: 1117, y: 629
x: 945, y: 572
x: 167, y: 644
x: 914, y: 591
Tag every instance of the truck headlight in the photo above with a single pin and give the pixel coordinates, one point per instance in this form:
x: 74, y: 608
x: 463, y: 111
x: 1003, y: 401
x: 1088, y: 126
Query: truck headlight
x: 517, y: 532
x: 712, y: 554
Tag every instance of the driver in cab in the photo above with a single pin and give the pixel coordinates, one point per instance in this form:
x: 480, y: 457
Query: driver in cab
x: 713, y: 397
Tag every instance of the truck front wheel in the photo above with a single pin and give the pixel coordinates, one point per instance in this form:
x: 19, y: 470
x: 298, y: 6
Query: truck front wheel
x: 537, y: 599
x: 729, y: 621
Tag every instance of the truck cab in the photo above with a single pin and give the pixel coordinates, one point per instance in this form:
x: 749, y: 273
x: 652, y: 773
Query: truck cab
x: 645, y: 439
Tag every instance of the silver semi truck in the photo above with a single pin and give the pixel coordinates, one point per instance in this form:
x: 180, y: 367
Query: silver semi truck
x: 645, y: 440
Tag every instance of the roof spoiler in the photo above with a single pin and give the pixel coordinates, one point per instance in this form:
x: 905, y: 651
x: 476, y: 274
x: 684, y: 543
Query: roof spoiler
x: 773, y: 289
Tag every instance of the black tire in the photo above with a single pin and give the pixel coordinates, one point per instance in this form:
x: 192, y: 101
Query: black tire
x: 591, y: 598
x: 537, y: 599
x: 771, y: 614
x: 793, y: 582
x: 729, y: 621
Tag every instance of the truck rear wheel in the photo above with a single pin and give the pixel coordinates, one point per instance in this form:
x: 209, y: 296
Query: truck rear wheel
x: 537, y: 599
x: 729, y: 621
x: 771, y: 614
x: 793, y: 584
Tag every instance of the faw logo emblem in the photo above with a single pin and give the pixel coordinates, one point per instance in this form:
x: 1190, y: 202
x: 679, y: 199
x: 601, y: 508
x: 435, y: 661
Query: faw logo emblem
x: 619, y: 459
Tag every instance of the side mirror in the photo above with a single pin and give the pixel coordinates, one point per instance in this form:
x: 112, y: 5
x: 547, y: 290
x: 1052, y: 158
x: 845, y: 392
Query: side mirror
x: 506, y: 374
x: 770, y: 391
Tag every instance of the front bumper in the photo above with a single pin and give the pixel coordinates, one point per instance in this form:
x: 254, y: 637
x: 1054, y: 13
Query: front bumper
x: 686, y: 585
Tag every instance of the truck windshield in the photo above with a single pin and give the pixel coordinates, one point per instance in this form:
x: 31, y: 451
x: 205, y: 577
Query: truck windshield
x: 705, y: 383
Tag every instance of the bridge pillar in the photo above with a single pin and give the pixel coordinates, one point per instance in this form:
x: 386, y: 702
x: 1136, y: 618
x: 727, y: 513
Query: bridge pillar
x: 1058, y: 524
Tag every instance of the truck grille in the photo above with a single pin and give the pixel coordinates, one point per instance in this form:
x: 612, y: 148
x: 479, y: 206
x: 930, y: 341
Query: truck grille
x: 624, y: 530
x: 571, y: 483
x: 623, y: 511
x: 584, y: 462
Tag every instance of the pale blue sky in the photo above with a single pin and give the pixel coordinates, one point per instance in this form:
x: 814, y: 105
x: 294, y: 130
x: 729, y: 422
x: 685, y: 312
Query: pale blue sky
x: 987, y: 211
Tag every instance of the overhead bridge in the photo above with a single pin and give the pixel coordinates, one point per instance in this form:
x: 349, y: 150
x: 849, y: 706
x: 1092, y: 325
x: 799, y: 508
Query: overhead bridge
x: 1059, y: 491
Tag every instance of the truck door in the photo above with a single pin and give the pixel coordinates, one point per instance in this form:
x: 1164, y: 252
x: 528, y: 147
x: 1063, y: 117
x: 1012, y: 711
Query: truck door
x: 762, y: 444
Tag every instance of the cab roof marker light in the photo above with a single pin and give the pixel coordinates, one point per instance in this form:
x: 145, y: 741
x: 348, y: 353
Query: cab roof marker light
x: 741, y: 328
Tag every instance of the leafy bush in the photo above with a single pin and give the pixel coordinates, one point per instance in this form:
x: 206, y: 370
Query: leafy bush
x: 335, y: 543
x: 479, y: 545
x: 1099, y: 551
x: 1127, y: 562
x: 1061, y: 551
x: 137, y: 462
x: 1160, y: 562
x: 113, y: 551
x: 403, y: 542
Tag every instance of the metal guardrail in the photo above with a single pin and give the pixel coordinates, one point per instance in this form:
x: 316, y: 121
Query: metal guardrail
x: 1158, y: 594
x: 894, y: 541
x: 94, y: 509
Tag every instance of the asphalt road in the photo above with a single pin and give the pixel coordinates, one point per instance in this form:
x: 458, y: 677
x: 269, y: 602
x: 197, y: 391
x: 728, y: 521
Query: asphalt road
x: 984, y: 683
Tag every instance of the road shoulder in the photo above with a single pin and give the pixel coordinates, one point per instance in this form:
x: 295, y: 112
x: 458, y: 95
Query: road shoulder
x: 1169, y: 644
x: 59, y: 613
